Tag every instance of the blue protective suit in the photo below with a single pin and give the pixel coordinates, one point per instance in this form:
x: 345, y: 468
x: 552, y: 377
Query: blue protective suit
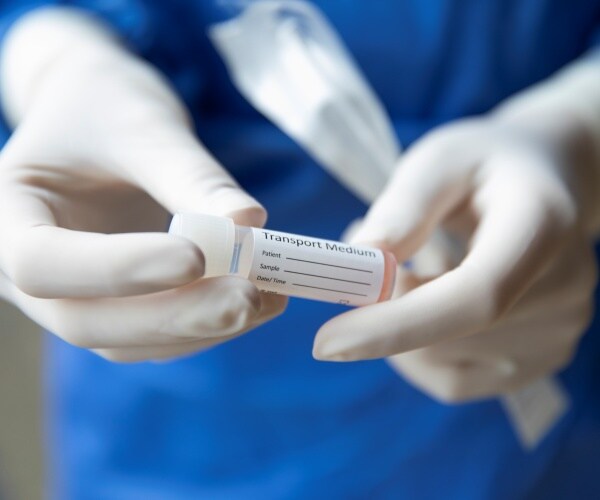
x: 258, y: 418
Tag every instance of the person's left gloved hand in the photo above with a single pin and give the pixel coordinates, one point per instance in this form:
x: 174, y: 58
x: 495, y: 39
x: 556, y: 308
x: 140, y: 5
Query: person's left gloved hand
x: 519, y: 194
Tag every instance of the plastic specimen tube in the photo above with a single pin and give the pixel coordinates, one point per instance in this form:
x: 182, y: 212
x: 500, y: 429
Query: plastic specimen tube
x: 289, y: 264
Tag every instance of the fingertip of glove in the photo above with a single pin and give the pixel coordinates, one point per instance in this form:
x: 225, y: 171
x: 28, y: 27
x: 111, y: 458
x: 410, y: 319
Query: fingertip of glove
x: 188, y: 263
x: 254, y: 216
x: 238, y: 305
x: 373, y: 237
x: 165, y: 264
x: 324, y: 351
x: 272, y: 305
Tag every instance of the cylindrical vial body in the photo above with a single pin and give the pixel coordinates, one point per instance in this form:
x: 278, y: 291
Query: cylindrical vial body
x: 289, y: 264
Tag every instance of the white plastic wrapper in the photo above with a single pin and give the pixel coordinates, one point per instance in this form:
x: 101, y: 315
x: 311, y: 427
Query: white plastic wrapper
x: 289, y: 63
x: 287, y: 60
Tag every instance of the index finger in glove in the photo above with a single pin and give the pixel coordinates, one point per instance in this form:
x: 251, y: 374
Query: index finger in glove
x: 171, y: 165
x: 429, y: 182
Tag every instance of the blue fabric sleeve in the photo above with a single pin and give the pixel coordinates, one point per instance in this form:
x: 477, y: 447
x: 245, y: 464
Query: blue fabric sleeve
x: 594, y: 39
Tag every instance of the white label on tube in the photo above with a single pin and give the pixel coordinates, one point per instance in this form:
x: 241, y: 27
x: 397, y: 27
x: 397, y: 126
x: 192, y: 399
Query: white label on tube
x: 318, y: 269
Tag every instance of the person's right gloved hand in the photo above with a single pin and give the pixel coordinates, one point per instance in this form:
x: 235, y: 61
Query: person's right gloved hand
x: 518, y: 197
x: 102, y: 151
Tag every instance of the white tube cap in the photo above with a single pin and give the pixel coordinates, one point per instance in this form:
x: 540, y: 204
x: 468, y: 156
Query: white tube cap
x: 214, y: 235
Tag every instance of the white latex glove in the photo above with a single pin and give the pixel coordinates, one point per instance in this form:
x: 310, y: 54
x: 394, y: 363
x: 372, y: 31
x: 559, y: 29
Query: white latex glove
x: 520, y: 191
x: 102, y: 151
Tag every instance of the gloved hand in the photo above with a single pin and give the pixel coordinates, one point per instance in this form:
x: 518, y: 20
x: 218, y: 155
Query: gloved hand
x: 519, y: 190
x: 102, y: 151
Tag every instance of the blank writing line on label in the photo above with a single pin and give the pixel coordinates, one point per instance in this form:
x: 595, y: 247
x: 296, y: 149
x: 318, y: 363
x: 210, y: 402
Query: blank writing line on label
x: 331, y: 265
x: 327, y: 277
x: 330, y: 290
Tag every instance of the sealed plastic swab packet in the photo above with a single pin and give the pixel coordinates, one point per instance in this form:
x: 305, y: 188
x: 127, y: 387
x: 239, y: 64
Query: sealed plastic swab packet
x: 288, y: 62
